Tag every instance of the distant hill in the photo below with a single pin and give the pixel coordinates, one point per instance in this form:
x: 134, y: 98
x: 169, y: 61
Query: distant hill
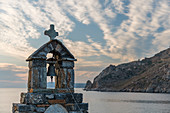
x: 148, y: 75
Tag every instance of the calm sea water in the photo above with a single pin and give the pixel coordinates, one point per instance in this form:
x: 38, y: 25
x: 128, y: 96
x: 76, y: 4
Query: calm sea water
x: 103, y: 102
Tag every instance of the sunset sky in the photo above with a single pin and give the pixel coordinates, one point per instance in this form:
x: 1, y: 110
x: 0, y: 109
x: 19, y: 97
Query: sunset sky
x: 97, y: 32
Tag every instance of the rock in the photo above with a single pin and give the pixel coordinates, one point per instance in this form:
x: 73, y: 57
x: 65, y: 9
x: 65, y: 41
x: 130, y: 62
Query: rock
x: 147, y: 75
x: 149, y: 90
x: 88, y: 85
x: 168, y: 91
x: 57, y: 108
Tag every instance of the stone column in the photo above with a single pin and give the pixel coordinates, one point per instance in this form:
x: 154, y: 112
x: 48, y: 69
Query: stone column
x: 70, y: 79
x: 37, y: 78
x: 69, y: 72
x: 60, y: 80
x: 66, y: 75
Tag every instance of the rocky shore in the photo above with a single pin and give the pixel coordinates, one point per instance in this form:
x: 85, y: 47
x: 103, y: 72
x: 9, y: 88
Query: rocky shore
x: 150, y: 75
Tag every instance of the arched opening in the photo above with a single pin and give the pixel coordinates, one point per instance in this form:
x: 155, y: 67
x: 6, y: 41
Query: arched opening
x: 53, y: 66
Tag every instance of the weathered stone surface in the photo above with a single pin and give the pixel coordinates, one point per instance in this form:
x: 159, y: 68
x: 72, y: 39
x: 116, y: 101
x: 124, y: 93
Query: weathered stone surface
x: 40, y: 98
x: 75, y: 112
x: 22, y: 107
x: 60, y: 95
x: 63, y: 77
x: 78, y: 112
x: 58, y: 90
x: 40, y: 109
x: 60, y: 48
x: 37, y: 78
x: 57, y: 108
x: 77, y: 107
x: 51, y: 32
x: 24, y: 112
x: 37, y: 63
x: 70, y: 79
x: 67, y: 64
x: 43, y: 105
x: 49, y: 96
x: 75, y: 97
x: 83, y: 106
x: 22, y: 99
x: 60, y: 101
x: 35, y: 98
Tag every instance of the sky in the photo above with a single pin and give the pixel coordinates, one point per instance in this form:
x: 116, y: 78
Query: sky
x: 97, y: 32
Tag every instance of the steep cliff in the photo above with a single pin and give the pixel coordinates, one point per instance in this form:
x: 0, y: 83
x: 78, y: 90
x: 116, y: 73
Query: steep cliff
x: 148, y: 75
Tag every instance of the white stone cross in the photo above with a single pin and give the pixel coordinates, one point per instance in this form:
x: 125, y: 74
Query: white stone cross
x: 51, y: 32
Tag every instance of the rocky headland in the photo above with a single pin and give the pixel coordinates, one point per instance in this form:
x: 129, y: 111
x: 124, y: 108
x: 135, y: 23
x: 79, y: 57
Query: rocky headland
x: 148, y: 75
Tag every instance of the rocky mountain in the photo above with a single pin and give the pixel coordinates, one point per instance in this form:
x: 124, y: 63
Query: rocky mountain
x: 148, y: 75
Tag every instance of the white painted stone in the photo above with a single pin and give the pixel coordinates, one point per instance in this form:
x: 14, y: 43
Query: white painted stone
x: 57, y: 108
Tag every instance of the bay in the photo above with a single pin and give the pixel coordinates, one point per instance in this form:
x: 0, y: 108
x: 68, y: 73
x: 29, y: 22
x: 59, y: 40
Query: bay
x: 102, y: 102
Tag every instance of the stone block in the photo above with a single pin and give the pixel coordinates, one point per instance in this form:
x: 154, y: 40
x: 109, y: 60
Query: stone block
x: 57, y: 101
x: 78, y: 112
x: 24, y: 112
x: 43, y: 105
x: 78, y: 97
x: 75, y: 112
x: 40, y: 109
x: 83, y: 106
x: 49, y: 96
x: 60, y: 96
x: 22, y: 107
x: 75, y: 97
x: 67, y: 64
x: 77, y: 107
x: 35, y: 98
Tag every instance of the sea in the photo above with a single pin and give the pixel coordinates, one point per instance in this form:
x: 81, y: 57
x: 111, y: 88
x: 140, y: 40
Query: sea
x: 102, y: 102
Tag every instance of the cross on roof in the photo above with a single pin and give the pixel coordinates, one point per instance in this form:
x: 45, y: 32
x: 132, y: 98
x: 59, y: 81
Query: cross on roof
x: 51, y: 32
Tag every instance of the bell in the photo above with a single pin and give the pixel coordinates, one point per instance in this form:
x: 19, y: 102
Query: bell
x: 51, y: 71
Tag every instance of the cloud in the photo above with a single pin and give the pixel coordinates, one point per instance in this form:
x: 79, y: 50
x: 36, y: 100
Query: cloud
x: 83, y: 76
x: 144, y: 18
x: 13, y: 73
x: 77, y: 9
x: 20, y: 20
x: 12, y: 84
x: 162, y: 40
x: 80, y: 49
x: 135, y: 35
x: 133, y: 32
x: 131, y: 29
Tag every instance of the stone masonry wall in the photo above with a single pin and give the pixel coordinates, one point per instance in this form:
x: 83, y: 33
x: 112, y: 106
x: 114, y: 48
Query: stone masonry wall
x: 39, y: 102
